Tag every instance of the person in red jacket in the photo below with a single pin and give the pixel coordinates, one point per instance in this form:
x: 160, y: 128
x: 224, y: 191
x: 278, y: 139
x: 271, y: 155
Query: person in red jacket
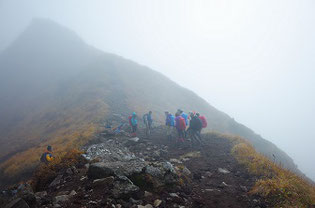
x: 203, y: 120
x: 180, y: 125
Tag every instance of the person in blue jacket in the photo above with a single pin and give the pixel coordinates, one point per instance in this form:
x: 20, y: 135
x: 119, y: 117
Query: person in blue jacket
x: 170, y: 123
x: 133, y: 123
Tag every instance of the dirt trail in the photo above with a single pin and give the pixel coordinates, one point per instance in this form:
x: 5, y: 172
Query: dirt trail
x: 210, y: 187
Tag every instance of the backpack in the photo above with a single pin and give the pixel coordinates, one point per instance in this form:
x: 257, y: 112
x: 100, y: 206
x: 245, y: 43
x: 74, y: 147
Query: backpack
x: 129, y: 119
x: 203, y: 121
x: 43, y: 158
x: 182, y: 123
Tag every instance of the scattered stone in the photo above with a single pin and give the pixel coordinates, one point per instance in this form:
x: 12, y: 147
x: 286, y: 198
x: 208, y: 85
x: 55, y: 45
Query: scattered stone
x: 41, y: 194
x: 124, y: 188
x: 208, y: 174
x: 134, y: 139
x: 223, y: 170
x: 93, y: 202
x: 209, y: 190
x: 62, y: 198
x: 62, y: 193
x: 69, y: 171
x: 56, y: 181
x: 244, y: 188
x: 157, y: 202
x: 17, y: 203
x: 73, y: 193
x: 103, y: 181
x: 146, y: 206
x: 147, y: 194
x: 57, y: 205
x: 174, y: 195
x: 186, y: 171
x: 132, y: 200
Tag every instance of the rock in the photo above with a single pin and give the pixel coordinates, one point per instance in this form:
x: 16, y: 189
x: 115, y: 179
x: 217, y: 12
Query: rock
x: 134, y: 139
x: 73, y: 193
x: 173, y: 160
x: 62, y: 193
x: 17, y: 203
x: 92, y: 202
x: 133, y: 201
x: 56, y: 181
x: 57, y: 205
x: 75, y: 170
x: 117, y: 168
x: 154, y: 171
x: 99, y: 170
x: 244, y: 188
x: 157, y: 202
x: 69, y: 171
x: 29, y: 198
x: 174, y: 195
x: 124, y: 188
x: 209, y: 190
x: 146, y: 206
x: 223, y: 184
x: 41, y: 194
x: 147, y: 194
x: 223, y: 170
x: 103, y: 181
x: 87, y: 165
x: 186, y: 171
x: 62, y: 198
x: 208, y: 174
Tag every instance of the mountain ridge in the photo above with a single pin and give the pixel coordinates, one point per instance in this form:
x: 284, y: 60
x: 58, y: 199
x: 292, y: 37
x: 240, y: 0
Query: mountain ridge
x: 65, y: 86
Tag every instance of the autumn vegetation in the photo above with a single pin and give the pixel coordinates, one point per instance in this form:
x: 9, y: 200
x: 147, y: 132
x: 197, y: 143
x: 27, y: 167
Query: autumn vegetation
x: 279, y: 186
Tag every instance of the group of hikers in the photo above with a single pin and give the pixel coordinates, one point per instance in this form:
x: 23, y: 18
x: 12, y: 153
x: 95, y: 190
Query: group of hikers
x: 188, y: 126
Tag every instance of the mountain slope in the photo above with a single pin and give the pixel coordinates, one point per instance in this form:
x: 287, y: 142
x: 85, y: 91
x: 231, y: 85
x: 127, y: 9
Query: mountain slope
x: 55, y: 89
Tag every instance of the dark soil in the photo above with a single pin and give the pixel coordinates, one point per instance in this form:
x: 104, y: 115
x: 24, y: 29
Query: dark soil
x: 207, y: 186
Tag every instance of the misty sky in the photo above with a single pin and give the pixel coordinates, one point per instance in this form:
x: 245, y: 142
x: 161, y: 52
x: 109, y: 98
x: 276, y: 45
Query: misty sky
x: 251, y: 59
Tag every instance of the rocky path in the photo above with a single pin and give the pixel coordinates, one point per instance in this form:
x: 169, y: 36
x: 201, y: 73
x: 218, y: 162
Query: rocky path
x: 150, y: 172
x: 217, y: 179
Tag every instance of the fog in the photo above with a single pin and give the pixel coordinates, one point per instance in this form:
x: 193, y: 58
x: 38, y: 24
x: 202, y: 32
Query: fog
x: 251, y: 59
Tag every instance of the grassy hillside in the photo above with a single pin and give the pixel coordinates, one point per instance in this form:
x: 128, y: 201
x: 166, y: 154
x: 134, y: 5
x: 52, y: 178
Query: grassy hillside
x: 55, y: 89
x: 281, y: 187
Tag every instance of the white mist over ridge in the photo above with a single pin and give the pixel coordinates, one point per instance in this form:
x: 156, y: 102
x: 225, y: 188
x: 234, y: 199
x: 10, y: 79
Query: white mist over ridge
x: 252, y: 60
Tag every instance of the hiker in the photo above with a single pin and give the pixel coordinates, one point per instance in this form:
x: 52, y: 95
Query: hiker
x: 133, y: 123
x: 186, y: 117
x: 203, y: 120
x: 195, y: 127
x: 47, y: 156
x: 147, y: 119
x: 170, y: 123
x: 180, y: 125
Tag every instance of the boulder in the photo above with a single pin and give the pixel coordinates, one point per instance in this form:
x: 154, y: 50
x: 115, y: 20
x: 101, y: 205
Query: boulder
x: 99, y: 170
x: 124, y: 188
x: 118, y: 168
x: 17, y: 203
